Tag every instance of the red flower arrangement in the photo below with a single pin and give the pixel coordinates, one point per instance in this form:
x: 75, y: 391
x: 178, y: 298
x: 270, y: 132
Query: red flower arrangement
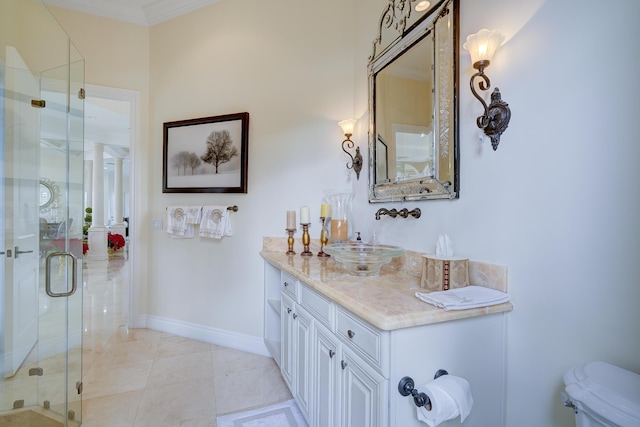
x: 115, y: 241
x: 74, y: 246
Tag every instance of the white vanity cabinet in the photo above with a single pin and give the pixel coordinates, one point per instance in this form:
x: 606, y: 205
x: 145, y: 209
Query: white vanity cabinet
x: 344, y: 372
x: 296, y: 345
x: 347, y: 391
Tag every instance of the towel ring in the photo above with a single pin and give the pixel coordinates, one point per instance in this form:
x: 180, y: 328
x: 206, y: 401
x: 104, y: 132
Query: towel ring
x: 406, y: 388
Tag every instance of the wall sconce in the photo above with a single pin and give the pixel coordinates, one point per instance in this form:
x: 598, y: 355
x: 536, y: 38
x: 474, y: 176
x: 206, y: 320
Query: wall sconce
x: 356, y: 161
x: 481, y: 47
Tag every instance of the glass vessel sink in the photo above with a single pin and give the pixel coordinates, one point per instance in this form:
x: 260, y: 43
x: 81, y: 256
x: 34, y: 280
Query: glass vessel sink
x: 363, y: 259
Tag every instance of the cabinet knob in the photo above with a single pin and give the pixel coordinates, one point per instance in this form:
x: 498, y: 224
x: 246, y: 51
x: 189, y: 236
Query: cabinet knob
x: 331, y: 354
x: 343, y: 364
x: 351, y: 333
x: 295, y: 316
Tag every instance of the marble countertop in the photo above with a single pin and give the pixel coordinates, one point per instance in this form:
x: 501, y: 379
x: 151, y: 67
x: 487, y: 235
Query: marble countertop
x: 387, y: 301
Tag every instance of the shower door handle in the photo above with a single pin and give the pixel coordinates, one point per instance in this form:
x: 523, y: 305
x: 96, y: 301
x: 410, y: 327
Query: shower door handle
x: 47, y: 283
x: 17, y: 252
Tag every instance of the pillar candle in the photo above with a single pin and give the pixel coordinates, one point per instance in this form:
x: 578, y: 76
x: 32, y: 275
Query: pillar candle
x: 291, y: 220
x: 325, y: 210
x: 305, y: 215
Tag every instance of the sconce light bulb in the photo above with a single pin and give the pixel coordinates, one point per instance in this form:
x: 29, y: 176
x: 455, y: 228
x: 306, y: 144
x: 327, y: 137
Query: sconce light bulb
x: 422, y: 6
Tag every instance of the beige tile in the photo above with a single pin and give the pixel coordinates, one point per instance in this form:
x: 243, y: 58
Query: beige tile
x: 186, y: 367
x: 186, y: 403
x: 266, y: 387
x: 173, y: 345
x: 124, y: 334
x: 141, y: 377
x: 118, y: 410
x: 123, y: 353
x: 229, y: 360
x: 105, y: 380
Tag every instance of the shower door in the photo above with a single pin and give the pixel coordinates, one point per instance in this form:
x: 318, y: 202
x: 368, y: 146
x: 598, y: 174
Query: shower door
x: 41, y: 141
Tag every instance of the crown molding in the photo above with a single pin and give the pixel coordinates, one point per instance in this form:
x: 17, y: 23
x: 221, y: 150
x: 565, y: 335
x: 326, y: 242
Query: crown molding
x: 141, y: 12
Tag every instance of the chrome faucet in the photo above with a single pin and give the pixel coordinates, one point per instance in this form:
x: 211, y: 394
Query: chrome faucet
x: 404, y: 213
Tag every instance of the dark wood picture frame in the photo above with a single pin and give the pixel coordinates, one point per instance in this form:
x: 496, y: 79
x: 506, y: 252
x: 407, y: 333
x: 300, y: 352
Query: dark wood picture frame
x: 206, y: 155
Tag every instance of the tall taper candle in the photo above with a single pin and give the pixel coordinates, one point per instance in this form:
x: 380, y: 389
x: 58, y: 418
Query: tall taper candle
x: 305, y: 215
x: 291, y: 220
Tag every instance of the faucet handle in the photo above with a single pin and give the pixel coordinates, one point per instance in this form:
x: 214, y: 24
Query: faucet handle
x: 358, y: 238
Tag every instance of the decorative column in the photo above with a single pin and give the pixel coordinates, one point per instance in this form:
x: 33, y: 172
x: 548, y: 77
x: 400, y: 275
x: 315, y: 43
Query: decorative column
x: 118, y: 226
x: 97, y: 238
x: 88, y: 183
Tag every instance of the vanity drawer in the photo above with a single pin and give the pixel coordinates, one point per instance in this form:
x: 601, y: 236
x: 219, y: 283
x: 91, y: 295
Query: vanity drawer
x: 363, y: 338
x: 319, y: 307
x: 289, y: 285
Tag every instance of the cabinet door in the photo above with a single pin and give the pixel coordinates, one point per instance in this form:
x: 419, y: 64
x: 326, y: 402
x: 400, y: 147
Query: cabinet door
x: 326, y: 362
x: 287, y: 361
x: 363, y: 400
x: 302, y: 323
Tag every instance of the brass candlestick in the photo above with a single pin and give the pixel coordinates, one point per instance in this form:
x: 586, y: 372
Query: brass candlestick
x: 306, y: 240
x: 290, y: 231
x: 324, y: 238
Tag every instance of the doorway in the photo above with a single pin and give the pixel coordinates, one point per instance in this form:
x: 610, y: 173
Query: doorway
x: 112, y: 119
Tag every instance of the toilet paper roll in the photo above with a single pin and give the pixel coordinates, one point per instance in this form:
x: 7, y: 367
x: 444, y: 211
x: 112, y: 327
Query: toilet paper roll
x: 450, y: 396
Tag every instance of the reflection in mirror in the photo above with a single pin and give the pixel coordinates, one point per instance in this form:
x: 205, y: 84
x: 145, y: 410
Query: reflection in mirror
x: 49, y: 194
x: 413, y: 108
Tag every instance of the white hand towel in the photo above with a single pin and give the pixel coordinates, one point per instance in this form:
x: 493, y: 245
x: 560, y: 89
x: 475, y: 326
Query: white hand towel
x: 450, y: 396
x: 216, y: 222
x: 464, y: 298
x: 194, y: 214
x: 177, y: 225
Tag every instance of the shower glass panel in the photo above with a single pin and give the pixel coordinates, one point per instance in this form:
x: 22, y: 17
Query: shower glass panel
x: 41, y: 140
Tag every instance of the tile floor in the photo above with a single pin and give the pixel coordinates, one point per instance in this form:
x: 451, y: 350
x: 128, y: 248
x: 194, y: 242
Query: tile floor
x: 141, y: 377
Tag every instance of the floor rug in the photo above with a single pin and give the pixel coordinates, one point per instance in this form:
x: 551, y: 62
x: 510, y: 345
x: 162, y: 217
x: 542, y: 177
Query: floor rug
x: 285, y: 414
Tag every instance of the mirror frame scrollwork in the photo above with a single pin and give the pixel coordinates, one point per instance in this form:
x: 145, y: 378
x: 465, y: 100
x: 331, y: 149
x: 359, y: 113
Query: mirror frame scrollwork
x: 406, y: 31
x: 53, y: 199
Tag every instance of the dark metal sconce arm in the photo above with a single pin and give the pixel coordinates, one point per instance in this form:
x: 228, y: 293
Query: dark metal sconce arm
x: 497, y: 114
x: 356, y: 161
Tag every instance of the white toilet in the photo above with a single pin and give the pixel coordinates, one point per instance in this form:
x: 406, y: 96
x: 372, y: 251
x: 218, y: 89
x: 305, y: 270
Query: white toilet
x: 603, y: 395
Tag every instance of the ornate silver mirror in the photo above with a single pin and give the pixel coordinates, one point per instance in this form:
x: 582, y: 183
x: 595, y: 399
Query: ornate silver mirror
x: 413, y: 103
x: 49, y: 194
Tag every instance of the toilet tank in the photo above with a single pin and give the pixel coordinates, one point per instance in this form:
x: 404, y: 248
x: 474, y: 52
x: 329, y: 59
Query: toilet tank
x: 603, y: 395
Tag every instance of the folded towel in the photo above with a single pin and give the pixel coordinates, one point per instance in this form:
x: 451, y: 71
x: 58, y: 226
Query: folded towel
x: 464, y: 298
x: 194, y: 214
x: 177, y: 225
x: 216, y: 222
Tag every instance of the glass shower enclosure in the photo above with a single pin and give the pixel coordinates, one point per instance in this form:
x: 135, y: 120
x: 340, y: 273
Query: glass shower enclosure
x: 41, y: 239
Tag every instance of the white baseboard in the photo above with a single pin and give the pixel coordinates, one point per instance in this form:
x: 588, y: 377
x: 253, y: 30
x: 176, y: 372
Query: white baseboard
x: 208, y: 334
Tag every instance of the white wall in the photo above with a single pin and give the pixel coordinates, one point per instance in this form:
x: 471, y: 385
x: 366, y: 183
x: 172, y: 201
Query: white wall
x: 557, y: 203
x: 291, y: 67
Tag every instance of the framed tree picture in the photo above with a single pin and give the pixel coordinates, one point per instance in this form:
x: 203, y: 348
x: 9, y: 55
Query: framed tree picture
x: 207, y: 155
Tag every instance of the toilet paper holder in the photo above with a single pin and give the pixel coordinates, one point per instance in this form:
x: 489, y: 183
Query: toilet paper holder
x: 406, y: 388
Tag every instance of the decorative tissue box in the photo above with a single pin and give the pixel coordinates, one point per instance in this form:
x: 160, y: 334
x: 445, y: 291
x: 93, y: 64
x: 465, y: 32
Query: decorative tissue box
x: 440, y: 274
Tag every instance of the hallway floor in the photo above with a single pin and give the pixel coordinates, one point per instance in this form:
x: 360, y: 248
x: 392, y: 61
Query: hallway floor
x: 140, y: 377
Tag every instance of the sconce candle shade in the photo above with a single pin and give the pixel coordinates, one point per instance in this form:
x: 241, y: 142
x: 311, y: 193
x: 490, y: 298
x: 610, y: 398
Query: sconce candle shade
x: 347, y: 126
x: 356, y: 161
x: 483, y: 44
